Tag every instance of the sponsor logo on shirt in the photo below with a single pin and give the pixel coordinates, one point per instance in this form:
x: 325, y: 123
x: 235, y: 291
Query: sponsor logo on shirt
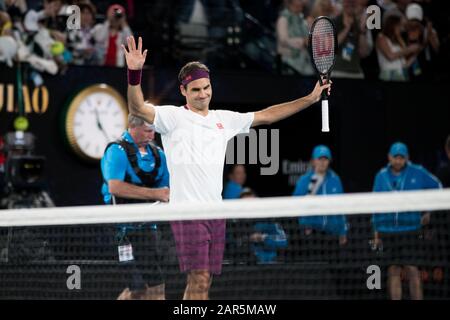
x: 219, y: 125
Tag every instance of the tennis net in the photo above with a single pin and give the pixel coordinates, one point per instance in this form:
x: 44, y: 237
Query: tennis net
x: 275, y: 248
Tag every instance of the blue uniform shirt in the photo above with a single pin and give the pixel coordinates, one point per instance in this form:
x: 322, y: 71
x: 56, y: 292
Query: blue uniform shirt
x: 115, y: 165
x: 232, y: 190
x: 333, y: 224
x: 412, y: 177
x: 275, y: 238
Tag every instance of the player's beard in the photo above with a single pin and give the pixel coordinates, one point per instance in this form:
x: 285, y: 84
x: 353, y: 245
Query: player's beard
x: 202, y: 104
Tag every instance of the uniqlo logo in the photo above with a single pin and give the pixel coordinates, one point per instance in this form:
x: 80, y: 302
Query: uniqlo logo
x: 219, y: 125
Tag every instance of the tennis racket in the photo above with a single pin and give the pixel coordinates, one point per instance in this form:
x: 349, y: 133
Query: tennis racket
x: 323, y: 48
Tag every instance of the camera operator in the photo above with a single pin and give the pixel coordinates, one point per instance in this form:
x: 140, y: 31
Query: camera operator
x: 110, y: 35
x: 24, y: 188
x: 24, y: 180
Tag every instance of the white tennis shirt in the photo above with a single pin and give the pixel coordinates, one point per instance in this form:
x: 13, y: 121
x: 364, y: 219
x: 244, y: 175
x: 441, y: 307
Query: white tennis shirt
x: 195, y: 148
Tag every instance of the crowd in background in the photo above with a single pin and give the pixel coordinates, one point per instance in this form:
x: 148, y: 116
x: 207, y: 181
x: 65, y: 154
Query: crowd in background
x: 406, y: 47
x: 43, y: 36
x: 412, y: 41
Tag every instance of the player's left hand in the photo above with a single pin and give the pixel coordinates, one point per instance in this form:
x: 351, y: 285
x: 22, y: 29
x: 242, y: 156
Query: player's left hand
x: 317, y: 92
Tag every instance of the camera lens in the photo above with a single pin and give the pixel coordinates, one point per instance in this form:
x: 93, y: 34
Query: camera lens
x: 118, y: 13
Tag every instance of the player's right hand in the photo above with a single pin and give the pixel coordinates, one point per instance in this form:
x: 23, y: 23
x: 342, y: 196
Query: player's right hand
x: 134, y: 56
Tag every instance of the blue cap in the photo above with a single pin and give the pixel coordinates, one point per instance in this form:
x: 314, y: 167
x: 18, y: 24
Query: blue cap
x: 321, y: 151
x: 399, y: 149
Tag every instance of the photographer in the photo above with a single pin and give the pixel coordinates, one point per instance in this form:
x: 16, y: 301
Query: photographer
x: 110, y: 35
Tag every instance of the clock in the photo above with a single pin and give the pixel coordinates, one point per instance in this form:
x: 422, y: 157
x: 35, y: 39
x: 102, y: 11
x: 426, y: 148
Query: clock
x: 96, y: 116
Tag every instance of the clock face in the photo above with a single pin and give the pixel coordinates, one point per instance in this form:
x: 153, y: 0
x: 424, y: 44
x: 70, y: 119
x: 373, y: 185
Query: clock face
x: 97, y: 116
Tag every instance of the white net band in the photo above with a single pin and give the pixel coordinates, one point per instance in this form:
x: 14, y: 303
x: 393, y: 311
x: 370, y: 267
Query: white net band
x: 357, y: 203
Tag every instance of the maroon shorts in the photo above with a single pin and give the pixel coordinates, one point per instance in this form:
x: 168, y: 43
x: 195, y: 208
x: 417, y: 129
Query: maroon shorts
x: 200, y: 244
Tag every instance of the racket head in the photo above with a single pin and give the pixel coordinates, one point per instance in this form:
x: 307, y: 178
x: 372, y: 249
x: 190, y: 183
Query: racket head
x: 323, y: 45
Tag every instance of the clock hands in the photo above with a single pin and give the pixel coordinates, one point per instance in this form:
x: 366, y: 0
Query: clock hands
x: 99, y: 125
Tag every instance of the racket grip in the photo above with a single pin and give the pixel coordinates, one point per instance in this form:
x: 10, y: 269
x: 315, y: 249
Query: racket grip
x: 325, y: 122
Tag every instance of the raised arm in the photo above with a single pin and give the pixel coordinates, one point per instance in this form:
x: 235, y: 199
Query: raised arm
x: 135, y: 61
x: 383, y: 46
x: 284, y: 110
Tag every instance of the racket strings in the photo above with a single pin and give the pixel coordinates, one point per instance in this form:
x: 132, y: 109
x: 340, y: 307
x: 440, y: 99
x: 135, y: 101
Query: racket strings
x: 323, y: 45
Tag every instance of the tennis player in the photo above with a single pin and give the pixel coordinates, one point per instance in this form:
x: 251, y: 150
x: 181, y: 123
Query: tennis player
x: 195, y: 140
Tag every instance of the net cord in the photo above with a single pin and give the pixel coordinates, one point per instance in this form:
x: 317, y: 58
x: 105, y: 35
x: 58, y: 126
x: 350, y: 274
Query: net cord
x: 356, y: 203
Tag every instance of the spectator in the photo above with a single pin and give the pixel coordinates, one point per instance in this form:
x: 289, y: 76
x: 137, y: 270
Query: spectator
x: 8, y: 49
x: 394, y: 57
x: 37, y: 50
x: 15, y: 6
x: 292, y: 37
x: 5, y: 24
x: 353, y: 41
x: 41, y: 37
x: 426, y: 37
x: 322, y: 180
x: 369, y: 64
x: 236, y: 180
x: 81, y: 42
x: 8, y: 46
x: 398, y: 235
x: 16, y: 11
x: 266, y: 238
x: 443, y: 172
x: 322, y: 8
x: 396, y: 7
x: 54, y: 17
x: 110, y: 35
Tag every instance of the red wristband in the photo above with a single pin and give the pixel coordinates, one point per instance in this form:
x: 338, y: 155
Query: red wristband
x: 134, y: 77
